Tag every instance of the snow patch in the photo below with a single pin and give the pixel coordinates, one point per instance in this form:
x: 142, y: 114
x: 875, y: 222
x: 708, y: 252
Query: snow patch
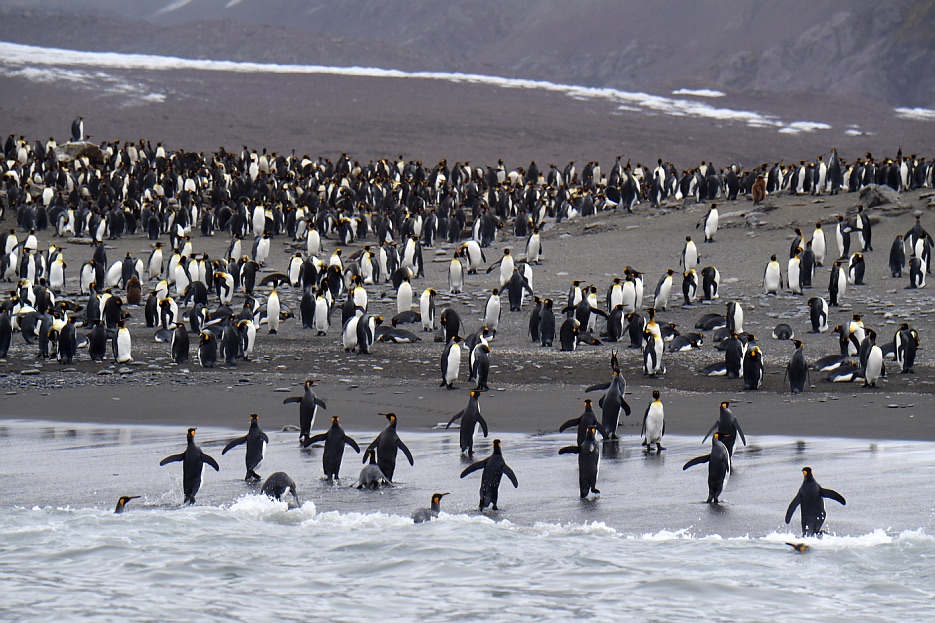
x: 699, y: 92
x: 918, y: 114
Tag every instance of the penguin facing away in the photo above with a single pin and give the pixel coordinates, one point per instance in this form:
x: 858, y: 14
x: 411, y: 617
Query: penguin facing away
x: 256, y: 441
x: 719, y: 467
x: 335, y: 439
x: 589, y: 462
x: 494, y: 467
x: 193, y: 461
x: 386, y: 446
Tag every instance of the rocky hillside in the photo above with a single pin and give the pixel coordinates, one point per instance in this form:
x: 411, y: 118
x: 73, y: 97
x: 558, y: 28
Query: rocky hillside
x: 863, y: 50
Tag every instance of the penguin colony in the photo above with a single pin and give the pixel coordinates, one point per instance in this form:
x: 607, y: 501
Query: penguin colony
x: 390, y: 211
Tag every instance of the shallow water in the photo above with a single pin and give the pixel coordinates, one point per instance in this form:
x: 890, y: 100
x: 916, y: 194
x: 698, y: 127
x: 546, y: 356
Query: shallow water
x: 646, y: 549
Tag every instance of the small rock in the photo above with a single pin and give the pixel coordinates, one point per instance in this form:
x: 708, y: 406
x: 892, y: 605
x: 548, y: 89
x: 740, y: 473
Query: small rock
x: 29, y: 372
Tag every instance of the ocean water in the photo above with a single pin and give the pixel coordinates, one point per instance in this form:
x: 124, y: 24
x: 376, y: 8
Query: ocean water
x: 647, y: 549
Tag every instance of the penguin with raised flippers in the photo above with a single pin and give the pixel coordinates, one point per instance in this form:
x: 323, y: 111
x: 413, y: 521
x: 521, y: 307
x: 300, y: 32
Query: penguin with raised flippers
x: 583, y: 422
x: 612, y: 403
x: 122, y: 503
x: 308, y: 409
x: 193, y: 462
x: 427, y: 514
x: 470, y: 417
x: 718, y: 468
x: 589, y: 462
x: 811, y: 499
x: 797, y: 369
x: 277, y: 485
x: 727, y: 428
x: 386, y: 446
x: 256, y: 441
x: 494, y: 467
x: 335, y: 439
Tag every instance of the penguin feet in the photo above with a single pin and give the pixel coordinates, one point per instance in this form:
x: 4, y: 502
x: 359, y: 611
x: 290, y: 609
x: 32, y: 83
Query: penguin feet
x: 659, y: 448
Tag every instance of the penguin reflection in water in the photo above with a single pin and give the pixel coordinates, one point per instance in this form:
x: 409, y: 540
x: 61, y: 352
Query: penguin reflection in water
x: 494, y: 467
x: 193, y: 462
x: 811, y: 499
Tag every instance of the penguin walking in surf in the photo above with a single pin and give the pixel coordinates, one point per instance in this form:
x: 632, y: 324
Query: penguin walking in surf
x: 613, y: 402
x: 193, y: 461
x: 727, y: 428
x: 797, y: 369
x: 654, y: 426
x: 719, y: 467
x: 811, y: 499
x: 470, y: 418
x: 589, y: 462
x: 335, y: 439
x: 494, y: 467
x: 256, y: 441
x: 309, y: 404
x: 386, y: 445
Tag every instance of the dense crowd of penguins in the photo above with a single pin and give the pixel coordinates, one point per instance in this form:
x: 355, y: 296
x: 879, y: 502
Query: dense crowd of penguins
x: 392, y: 209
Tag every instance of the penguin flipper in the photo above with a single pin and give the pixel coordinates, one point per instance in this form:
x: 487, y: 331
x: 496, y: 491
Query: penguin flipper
x: 402, y: 446
x: 740, y: 431
x: 600, y: 387
x: 643, y: 428
x: 207, y: 458
x: 234, y: 443
x: 698, y: 460
x: 601, y: 430
x: 492, y: 266
x: 483, y: 423
x: 834, y: 495
x: 626, y: 407
x: 569, y: 450
x: 714, y: 428
x: 315, y: 439
x: 473, y: 467
x: 509, y: 474
x: 454, y: 419
x: 292, y: 399
x: 794, y: 504
x: 349, y: 441
x: 569, y: 424
x: 263, y: 436
x: 320, y: 403
x: 172, y: 459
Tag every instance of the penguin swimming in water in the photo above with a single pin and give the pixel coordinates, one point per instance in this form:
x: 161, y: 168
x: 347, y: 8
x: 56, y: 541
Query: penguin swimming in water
x: 277, y: 485
x: 386, y: 446
x: 193, y: 462
x: 470, y: 417
x: 654, y: 426
x: 427, y: 514
x: 494, y: 467
x: 811, y: 499
x: 727, y: 428
x: 797, y: 369
x: 718, y: 468
x: 122, y: 503
x: 256, y: 441
x: 335, y: 439
x: 589, y: 462
x: 308, y: 409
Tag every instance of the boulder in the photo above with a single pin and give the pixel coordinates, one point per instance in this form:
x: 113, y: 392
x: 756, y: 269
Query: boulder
x: 874, y: 195
x: 69, y: 152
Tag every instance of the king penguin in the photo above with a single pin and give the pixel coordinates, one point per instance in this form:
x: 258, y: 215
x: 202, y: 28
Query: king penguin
x: 589, y: 462
x: 256, y: 441
x: 811, y: 498
x: 494, y: 467
x: 193, y: 462
x: 308, y: 409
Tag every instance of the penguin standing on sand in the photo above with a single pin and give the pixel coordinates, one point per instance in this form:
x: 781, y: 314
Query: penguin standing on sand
x: 335, y: 439
x: 819, y: 245
x: 753, y: 368
x: 811, y: 499
x: 727, y: 428
x: 193, y: 462
x: 547, y: 324
x: 654, y: 426
x: 386, y: 445
x: 772, y: 276
x: 256, y: 441
x: 837, y: 285
x: 494, y: 467
x: 589, y: 462
x: 797, y: 369
x: 663, y: 288
x: 470, y: 417
x: 905, y: 343
x: 308, y: 409
x: 689, y: 257
x: 710, y: 222
x: 719, y: 466
x: 855, y: 270
x: 451, y: 362
x: 897, y: 257
x: 427, y: 514
x: 818, y: 314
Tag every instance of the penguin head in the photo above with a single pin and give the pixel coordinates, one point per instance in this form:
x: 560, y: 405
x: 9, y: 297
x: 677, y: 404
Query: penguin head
x: 797, y: 343
x: 391, y: 417
x: 254, y: 417
x: 496, y: 446
x: 655, y: 395
x: 122, y: 502
x: 807, y: 473
x: 437, y: 498
x: 191, y: 433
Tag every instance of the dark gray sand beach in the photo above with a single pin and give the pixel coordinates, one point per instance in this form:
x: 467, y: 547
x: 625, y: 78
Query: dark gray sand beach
x: 533, y: 389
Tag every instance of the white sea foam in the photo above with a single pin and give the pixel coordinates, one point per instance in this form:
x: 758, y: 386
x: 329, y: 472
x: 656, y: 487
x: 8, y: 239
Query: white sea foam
x: 699, y: 92
x: 18, y: 55
x: 919, y: 114
x: 797, y: 127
